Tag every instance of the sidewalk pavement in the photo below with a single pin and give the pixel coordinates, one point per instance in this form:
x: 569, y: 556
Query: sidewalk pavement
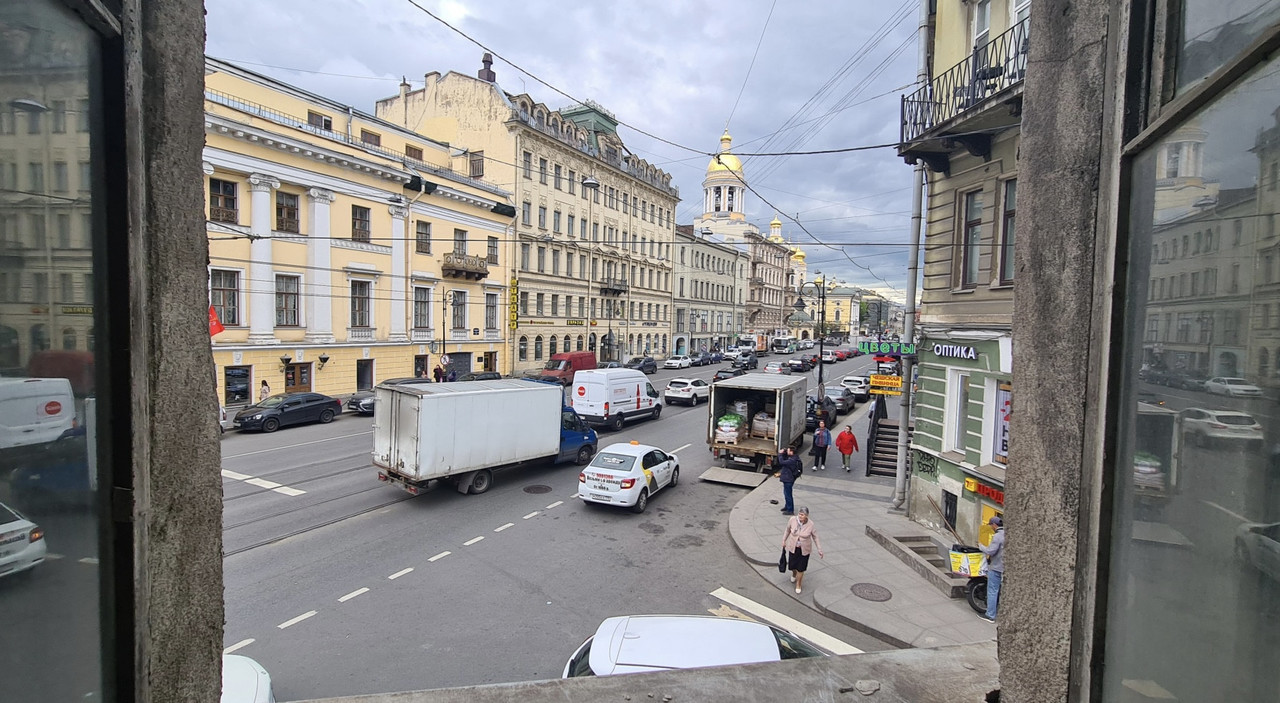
x: 916, y: 613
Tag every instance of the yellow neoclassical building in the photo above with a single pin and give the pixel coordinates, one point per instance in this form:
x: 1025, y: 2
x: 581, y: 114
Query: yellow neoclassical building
x: 343, y: 250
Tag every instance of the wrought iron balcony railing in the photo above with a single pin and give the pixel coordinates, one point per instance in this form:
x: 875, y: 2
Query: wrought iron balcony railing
x: 614, y: 286
x: 459, y: 265
x: 990, y: 70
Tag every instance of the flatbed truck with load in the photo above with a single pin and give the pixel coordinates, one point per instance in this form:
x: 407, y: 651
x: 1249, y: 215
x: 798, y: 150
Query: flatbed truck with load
x: 462, y: 432
x: 751, y: 419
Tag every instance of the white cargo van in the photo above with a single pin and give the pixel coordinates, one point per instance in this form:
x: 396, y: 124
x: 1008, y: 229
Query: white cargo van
x: 35, y: 411
x: 610, y: 397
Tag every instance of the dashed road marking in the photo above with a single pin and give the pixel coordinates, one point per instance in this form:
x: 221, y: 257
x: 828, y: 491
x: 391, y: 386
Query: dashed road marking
x: 773, y: 617
x: 289, y: 491
x: 294, y: 621
x: 1228, y: 511
x: 353, y: 594
x: 263, y: 483
x: 89, y: 560
x: 509, y: 524
x: 677, y: 449
x: 51, y: 555
x: 526, y: 517
x: 400, y: 573
x: 441, y: 555
x: 239, y: 645
x: 556, y: 504
x: 472, y: 541
x: 235, y: 476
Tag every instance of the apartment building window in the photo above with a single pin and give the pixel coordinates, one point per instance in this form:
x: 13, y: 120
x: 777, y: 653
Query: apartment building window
x: 64, y: 230
x: 361, y: 228
x: 491, y: 311
x: 582, y: 311
x: 33, y: 122
x: 60, y: 177
x: 583, y: 229
x: 421, y: 308
x: 40, y: 289
x: 568, y: 264
x: 524, y: 257
x: 540, y: 310
x: 569, y: 225
x: 459, y: 310
x: 86, y: 177
x: 287, y: 301
x: 371, y: 138
x: 542, y: 217
x: 625, y: 202
x: 559, y: 179
x: 413, y: 152
x: 66, y: 289
x: 82, y: 115
x: 555, y: 262
x: 555, y: 305
x: 222, y: 201
x: 526, y: 213
x: 224, y: 295
x: 320, y: 121
x: 595, y: 194
x: 555, y: 221
x: 542, y: 171
x: 423, y: 242
x: 492, y: 250
x: 971, y: 236
x: 58, y: 110
x: 361, y: 303
x: 475, y: 164
x: 582, y: 264
x: 286, y: 212
x: 460, y: 242
x: 527, y: 165
x: 555, y: 345
x: 537, y: 348
x: 524, y: 349
x: 573, y: 181
x: 524, y: 302
x: 1007, y: 230
x: 542, y: 259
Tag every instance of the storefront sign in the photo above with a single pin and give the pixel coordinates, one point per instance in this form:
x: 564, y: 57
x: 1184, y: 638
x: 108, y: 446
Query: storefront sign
x: 575, y: 323
x: 955, y: 351
x: 886, y: 348
x: 883, y: 391
x: 77, y: 309
x: 882, y: 381
x: 974, y: 486
x: 526, y: 323
x: 513, y: 298
x: 1004, y: 409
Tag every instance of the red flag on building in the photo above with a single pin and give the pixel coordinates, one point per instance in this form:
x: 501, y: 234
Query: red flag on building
x: 214, y: 325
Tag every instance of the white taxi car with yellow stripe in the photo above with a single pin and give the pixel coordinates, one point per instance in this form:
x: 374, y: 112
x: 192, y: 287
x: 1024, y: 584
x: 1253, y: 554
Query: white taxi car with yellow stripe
x: 628, y: 474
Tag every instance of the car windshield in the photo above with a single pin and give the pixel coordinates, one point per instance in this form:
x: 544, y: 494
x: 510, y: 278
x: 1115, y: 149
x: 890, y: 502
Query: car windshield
x: 836, y: 392
x: 792, y: 647
x: 613, y: 462
x: 555, y: 365
x: 677, y: 384
x: 636, y: 360
x: 7, y: 515
x: 1236, y: 420
x: 271, y: 402
x: 1236, y: 382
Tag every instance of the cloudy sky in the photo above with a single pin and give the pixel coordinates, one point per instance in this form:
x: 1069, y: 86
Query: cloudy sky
x: 828, y: 75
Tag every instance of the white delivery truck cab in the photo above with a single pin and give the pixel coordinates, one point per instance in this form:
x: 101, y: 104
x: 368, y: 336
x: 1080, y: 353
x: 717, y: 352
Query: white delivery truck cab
x: 610, y: 397
x: 34, y: 411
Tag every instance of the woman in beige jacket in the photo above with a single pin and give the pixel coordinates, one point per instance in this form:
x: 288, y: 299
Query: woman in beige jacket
x: 800, y: 539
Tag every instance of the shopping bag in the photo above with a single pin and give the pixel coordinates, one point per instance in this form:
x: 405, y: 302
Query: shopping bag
x: 782, y: 562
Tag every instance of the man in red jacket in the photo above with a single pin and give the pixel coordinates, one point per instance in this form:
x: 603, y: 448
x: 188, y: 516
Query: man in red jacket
x: 847, y: 444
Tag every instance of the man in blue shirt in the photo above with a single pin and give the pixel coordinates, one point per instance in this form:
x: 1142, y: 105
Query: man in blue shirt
x: 789, y: 469
x: 995, y: 568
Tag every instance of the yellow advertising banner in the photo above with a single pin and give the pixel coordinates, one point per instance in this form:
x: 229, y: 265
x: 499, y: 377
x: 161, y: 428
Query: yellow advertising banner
x: 883, y: 391
x: 886, y: 381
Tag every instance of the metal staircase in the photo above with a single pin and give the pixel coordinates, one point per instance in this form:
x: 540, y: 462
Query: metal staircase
x: 882, y: 452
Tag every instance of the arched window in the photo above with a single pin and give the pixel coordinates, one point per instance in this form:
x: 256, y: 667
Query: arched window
x: 39, y: 338
x: 554, y: 345
x: 581, y: 341
x: 69, y: 338
x: 9, y: 351
x: 591, y: 342
x: 537, y: 348
x: 524, y: 348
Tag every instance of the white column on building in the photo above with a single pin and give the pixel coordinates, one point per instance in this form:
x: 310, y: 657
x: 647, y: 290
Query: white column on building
x: 399, y: 213
x: 261, y: 283
x: 318, y: 291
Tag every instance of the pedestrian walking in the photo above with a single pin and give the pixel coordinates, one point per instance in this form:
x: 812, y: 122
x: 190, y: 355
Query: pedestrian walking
x: 264, y: 391
x: 789, y: 469
x: 821, y: 440
x: 799, y: 541
x: 438, y: 373
x: 453, y: 376
x: 995, y: 568
x: 846, y: 444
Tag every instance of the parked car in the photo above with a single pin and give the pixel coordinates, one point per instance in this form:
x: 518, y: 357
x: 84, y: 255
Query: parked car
x: 860, y: 386
x: 1186, y: 380
x: 699, y: 359
x: 642, y: 363
x: 1159, y: 377
x: 22, y: 546
x: 1202, y: 425
x: 716, y: 357
x: 730, y: 372
x: 687, y: 390
x: 829, y: 357
x: 628, y: 474
x: 222, y: 419
x: 610, y: 365
x: 842, y: 397
x: 806, y: 344
x: 841, y: 354
x: 799, y: 364
x: 779, y: 367
x: 361, y: 402
x: 285, y: 409
x: 732, y: 353
x: 1258, y: 544
x: 481, y: 376
x: 815, y: 411
x: 245, y: 681
x: 1233, y: 387
x: 635, y: 643
x: 812, y: 359
x: 679, y: 361
x: 747, y: 360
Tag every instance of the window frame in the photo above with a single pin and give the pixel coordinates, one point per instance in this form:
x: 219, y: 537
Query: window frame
x: 1008, y: 229
x: 356, y: 309
x: 237, y: 296
x: 358, y: 234
x: 295, y: 296
x: 969, y: 239
x: 285, y: 222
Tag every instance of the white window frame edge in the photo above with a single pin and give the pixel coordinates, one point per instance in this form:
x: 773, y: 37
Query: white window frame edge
x: 302, y: 296
x: 242, y: 295
x: 370, y: 277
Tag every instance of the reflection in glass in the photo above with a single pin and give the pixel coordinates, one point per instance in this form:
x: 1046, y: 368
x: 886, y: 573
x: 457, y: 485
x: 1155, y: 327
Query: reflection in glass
x: 1195, y: 579
x: 1213, y: 31
x: 49, y: 596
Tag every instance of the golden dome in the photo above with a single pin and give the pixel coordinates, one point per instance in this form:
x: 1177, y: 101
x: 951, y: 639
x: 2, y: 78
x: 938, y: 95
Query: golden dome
x: 797, y: 254
x: 776, y: 222
x: 725, y: 161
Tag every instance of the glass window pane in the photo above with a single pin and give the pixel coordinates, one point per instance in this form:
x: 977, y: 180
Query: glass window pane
x: 1195, y: 580
x: 1213, y: 32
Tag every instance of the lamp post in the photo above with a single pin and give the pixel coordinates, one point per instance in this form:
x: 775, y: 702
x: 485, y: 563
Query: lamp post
x: 589, y: 183
x: 820, y: 288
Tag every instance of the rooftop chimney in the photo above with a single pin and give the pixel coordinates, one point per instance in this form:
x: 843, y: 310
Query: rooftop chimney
x: 486, y: 73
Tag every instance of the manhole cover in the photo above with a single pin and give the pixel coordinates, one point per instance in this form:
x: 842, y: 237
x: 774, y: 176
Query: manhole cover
x: 537, y: 489
x: 871, y: 592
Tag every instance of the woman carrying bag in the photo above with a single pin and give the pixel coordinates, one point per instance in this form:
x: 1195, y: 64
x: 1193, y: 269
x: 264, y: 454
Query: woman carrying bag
x: 800, y: 539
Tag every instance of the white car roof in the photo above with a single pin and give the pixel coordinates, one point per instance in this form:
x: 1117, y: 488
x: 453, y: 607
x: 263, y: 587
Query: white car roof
x: 244, y: 680
x: 635, y: 643
x: 628, y: 449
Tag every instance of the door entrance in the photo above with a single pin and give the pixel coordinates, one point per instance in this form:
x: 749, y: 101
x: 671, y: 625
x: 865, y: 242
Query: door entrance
x: 364, y: 374
x: 490, y: 362
x: 422, y: 366
x: 297, y: 378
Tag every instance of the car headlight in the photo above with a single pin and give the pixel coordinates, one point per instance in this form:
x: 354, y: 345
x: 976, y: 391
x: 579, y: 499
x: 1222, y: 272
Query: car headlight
x: 256, y: 417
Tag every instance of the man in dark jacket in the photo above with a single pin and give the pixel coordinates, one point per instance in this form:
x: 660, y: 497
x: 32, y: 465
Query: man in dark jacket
x: 789, y: 469
x: 995, y: 569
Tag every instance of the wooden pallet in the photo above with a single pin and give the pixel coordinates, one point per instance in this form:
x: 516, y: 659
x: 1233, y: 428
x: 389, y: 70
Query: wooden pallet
x: 765, y: 434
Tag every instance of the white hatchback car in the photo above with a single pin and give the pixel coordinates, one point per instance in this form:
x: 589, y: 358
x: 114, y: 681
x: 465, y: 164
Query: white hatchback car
x: 1202, y: 425
x: 631, y: 644
x: 679, y: 361
x: 628, y: 474
x: 22, y: 545
x: 858, y: 385
x: 687, y: 390
x: 1234, y: 387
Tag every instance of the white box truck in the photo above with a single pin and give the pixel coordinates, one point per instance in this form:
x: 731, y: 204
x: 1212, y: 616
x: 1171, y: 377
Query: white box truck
x: 756, y: 443
x: 461, y: 432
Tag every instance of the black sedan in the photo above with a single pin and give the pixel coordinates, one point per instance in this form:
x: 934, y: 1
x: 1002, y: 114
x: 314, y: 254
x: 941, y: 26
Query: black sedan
x: 361, y: 402
x: 481, y: 376
x: 645, y: 364
x: 288, y: 409
x: 722, y: 374
x: 746, y: 361
x: 799, y: 364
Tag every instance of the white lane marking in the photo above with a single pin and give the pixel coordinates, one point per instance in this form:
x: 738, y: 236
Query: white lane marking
x: 526, y: 517
x: 353, y: 594
x: 556, y: 504
x: 472, y: 541
x: 89, y: 560
x: 677, y: 449
x: 51, y: 555
x: 309, y: 613
x: 441, y: 555
x: 773, y: 617
x: 1148, y: 689
x: 1228, y: 511
x: 300, y: 444
x: 509, y: 524
x: 239, y: 645
x: 289, y: 491
x: 234, y: 475
x: 262, y: 483
x: 400, y: 573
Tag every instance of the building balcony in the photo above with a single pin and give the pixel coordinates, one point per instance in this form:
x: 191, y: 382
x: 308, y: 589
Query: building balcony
x: 756, y: 281
x: 421, y: 334
x: 982, y: 92
x: 472, y: 268
x: 359, y: 334
x: 614, y: 286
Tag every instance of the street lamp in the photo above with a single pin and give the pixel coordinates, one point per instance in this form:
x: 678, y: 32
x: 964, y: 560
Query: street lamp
x: 820, y: 286
x: 589, y: 183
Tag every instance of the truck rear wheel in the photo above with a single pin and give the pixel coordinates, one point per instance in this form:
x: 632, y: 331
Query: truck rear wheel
x: 481, y: 481
x: 616, y: 424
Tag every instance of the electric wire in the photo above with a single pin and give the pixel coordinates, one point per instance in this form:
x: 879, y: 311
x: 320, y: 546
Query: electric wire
x: 751, y: 65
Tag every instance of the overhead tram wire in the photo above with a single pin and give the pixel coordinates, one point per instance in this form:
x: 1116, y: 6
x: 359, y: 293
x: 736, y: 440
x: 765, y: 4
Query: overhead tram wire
x: 750, y: 66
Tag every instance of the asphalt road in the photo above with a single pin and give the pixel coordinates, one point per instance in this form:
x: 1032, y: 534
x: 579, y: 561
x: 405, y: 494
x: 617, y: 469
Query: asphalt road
x: 352, y: 586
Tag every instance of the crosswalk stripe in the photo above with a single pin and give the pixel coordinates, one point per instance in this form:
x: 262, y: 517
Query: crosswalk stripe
x: 773, y: 617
